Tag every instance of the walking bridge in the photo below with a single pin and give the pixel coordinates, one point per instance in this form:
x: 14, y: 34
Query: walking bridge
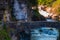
x: 34, y: 24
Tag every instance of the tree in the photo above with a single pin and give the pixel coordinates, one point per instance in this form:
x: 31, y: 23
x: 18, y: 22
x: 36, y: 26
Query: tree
x: 4, y: 35
x: 33, y: 2
x: 45, y: 2
x: 56, y: 6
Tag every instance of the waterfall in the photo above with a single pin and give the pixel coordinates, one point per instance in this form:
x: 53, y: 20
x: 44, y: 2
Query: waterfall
x: 20, y: 10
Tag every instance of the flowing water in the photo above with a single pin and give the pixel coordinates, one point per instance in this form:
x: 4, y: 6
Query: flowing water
x: 20, y: 13
x: 44, y: 34
x: 20, y: 10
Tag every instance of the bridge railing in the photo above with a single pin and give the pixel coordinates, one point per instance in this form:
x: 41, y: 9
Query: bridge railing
x: 35, y: 24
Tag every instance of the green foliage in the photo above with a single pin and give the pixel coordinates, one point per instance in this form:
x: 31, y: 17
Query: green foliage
x: 58, y: 10
x: 36, y: 13
x: 41, y: 2
x: 45, y: 2
x: 4, y: 35
x: 37, y: 16
x: 33, y: 2
x: 0, y: 22
x: 56, y: 5
x: 4, y: 27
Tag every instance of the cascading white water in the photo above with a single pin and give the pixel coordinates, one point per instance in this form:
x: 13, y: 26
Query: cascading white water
x: 20, y: 10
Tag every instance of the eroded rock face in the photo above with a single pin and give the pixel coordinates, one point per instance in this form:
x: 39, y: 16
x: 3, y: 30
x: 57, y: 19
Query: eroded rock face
x: 3, y: 6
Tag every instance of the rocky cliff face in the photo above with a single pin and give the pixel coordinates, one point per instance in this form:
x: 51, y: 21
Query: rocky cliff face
x: 3, y: 6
